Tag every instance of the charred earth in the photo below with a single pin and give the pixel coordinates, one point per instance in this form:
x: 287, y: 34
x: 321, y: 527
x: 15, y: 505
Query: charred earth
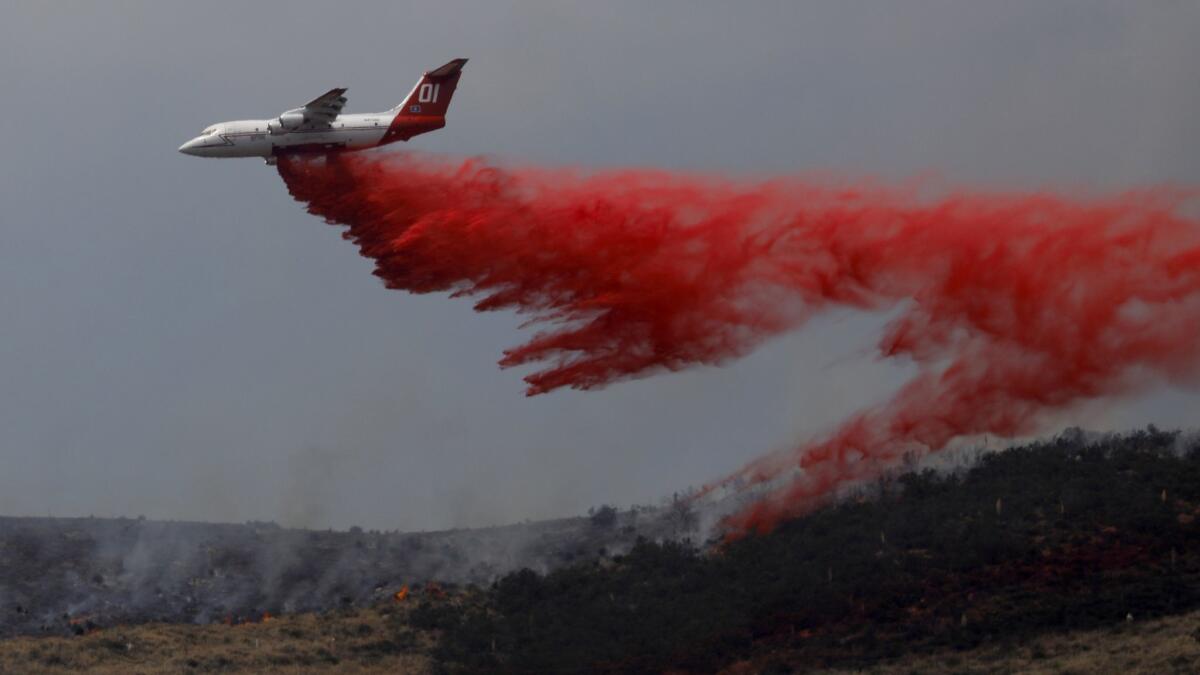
x: 66, y: 576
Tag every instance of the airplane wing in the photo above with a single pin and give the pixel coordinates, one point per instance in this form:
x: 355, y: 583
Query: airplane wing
x: 323, y: 109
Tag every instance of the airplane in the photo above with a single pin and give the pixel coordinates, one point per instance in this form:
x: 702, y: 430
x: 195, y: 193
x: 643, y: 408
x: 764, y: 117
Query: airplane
x: 319, y: 127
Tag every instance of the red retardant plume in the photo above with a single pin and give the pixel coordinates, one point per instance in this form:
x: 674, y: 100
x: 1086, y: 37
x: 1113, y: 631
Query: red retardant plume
x: 1010, y: 305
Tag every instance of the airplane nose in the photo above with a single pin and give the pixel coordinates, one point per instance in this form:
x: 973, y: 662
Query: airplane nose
x: 192, y: 147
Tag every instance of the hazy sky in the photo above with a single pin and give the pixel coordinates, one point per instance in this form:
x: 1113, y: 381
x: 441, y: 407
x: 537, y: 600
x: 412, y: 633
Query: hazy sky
x: 179, y: 339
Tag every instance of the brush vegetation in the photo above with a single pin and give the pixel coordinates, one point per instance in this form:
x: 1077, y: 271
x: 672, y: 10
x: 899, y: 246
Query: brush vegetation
x: 1063, y: 534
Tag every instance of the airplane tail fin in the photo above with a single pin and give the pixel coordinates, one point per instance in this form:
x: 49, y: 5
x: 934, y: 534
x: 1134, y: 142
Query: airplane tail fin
x: 425, y: 108
x: 431, y: 96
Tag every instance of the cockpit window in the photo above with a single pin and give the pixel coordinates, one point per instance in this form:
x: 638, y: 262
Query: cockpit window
x: 209, y: 131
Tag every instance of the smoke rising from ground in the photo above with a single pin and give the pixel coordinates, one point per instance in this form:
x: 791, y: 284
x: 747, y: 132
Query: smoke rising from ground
x: 114, y: 571
x: 1011, y: 305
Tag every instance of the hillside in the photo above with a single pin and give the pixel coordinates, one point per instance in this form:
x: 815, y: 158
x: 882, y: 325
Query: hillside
x: 123, y: 570
x: 1050, y: 556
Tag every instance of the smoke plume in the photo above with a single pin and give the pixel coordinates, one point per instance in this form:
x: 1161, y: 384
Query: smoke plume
x: 1011, y: 305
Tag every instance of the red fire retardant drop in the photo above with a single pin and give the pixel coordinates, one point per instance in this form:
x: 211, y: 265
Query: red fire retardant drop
x: 1010, y: 305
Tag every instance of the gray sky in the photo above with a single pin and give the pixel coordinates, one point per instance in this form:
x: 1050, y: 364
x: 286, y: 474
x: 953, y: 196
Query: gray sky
x: 178, y: 339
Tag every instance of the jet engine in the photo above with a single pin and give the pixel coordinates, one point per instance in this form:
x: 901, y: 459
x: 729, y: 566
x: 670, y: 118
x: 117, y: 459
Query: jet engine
x: 288, y: 121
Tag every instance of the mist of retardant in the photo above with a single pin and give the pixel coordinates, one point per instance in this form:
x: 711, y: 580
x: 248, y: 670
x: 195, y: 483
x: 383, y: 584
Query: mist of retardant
x: 1010, y: 305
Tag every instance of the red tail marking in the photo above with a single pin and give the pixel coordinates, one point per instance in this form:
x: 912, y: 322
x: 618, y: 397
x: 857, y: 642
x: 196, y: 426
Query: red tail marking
x: 425, y: 108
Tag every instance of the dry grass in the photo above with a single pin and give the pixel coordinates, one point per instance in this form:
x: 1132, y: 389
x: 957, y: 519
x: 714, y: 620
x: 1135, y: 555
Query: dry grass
x: 1168, y: 645
x: 376, y: 640
x: 379, y: 640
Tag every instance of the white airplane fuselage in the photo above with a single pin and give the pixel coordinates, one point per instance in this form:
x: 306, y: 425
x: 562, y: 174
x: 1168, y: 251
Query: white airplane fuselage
x: 254, y: 138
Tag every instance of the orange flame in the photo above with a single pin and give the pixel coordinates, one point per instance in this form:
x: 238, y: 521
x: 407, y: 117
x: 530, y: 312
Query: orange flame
x: 401, y: 594
x: 266, y: 617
